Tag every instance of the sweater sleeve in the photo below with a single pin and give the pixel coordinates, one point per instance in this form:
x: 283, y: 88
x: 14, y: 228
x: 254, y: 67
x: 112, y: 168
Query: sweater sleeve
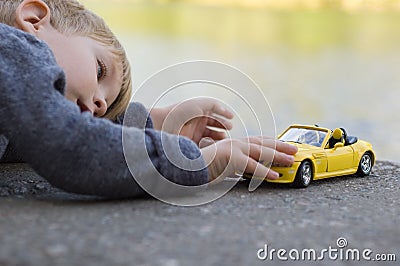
x: 137, y: 121
x: 72, y: 150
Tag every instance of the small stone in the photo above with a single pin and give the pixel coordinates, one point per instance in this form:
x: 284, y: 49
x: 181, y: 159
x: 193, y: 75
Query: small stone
x: 40, y: 186
x: 20, y: 190
x: 56, y: 250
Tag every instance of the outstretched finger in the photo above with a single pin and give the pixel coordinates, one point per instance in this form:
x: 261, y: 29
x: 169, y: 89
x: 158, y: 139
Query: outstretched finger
x: 260, y: 153
x: 267, y: 142
x: 267, y: 155
x: 274, y: 144
x: 219, y: 123
x: 286, y: 148
x: 260, y: 171
x: 213, y: 134
x: 219, y: 109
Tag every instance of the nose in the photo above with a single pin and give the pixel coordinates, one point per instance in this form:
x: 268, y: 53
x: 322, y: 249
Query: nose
x: 100, y: 106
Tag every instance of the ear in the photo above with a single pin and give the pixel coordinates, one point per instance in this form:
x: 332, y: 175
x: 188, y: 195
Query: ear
x: 31, y: 15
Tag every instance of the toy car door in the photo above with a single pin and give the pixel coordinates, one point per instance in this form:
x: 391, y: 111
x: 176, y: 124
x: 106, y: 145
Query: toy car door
x: 339, y: 158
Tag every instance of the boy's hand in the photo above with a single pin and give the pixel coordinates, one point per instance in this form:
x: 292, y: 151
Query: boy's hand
x: 237, y: 156
x: 194, y: 118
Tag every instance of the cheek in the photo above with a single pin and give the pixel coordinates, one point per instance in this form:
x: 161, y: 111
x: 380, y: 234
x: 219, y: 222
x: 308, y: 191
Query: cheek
x: 79, y: 69
x: 71, y: 92
x: 79, y: 81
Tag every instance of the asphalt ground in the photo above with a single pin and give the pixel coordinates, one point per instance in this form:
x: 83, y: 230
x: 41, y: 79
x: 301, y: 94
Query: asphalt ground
x: 41, y: 225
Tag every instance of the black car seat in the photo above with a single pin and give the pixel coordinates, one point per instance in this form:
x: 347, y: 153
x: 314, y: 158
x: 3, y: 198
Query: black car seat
x: 348, y: 140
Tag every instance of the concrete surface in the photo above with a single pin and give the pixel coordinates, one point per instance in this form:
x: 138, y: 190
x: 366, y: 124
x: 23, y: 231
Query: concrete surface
x: 40, y: 225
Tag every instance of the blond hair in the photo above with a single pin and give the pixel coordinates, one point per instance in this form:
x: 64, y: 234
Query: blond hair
x: 71, y: 17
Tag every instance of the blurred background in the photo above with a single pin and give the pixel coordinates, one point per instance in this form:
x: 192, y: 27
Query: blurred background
x: 328, y: 62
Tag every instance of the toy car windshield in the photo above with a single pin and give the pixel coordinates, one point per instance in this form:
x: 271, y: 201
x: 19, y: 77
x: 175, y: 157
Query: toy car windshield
x: 304, y: 136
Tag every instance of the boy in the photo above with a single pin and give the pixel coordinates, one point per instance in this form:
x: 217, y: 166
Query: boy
x: 57, y: 48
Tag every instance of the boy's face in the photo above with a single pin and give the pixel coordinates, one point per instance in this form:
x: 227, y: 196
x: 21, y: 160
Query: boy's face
x: 93, y: 76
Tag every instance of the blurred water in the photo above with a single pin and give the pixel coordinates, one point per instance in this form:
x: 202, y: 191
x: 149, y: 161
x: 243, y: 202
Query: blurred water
x: 328, y: 68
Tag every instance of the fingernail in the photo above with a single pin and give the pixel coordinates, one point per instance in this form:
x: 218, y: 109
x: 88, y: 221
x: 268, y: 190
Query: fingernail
x: 290, y: 157
x: 274, y: 175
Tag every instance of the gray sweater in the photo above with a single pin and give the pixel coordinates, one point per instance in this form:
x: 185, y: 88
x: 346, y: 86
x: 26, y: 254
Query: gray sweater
x: 75, y: 151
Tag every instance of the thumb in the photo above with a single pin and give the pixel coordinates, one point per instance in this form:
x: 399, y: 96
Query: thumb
x: 204, y: 142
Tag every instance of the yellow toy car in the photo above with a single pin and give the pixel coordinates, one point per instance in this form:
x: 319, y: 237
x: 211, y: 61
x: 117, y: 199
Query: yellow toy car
x: 323, y: 153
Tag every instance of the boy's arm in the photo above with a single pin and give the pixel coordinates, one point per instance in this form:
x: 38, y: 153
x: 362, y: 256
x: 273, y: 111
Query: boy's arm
x: 141, y: 111
x: 8, y: 153
x: 73, y: 150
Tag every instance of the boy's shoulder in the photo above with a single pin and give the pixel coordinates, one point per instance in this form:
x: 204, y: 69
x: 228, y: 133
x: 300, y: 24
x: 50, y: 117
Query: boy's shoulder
x: 23, y: 53
x: 7, y: 32
x: 19, y: 46
x: 19, y: 41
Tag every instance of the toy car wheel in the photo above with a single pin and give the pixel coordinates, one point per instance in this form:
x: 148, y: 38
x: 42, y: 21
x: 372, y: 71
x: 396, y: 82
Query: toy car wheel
x: 304, y: 175
x: 365, y: 165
